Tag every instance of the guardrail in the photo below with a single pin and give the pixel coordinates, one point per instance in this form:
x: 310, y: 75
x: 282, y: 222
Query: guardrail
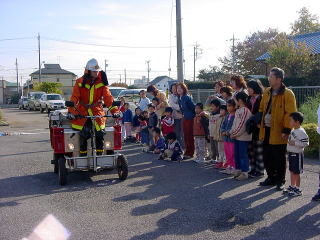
x: 301, y: 93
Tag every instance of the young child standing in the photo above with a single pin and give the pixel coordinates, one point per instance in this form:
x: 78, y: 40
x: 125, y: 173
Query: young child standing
x: 144, y: 101
x: 200, y: 132
x: 214, y: 115
x: 297, y: 141
x: 158, y: 111
x: 219, y: 138
x: 228, y: 142
x: 167, y: 123
x: 136, y: 124
x: 143, y: 119
x: 127, y: 120
x: 152, y: 123
x: 241, y: 137
x: 317, y: 196
x: 173, y: 148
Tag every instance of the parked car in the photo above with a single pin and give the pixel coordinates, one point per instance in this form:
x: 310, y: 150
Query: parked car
x: 34, y: 100
x: 132, y: 95
x: 23, y: 103
x: 50, y: 102
x: 115, y: 91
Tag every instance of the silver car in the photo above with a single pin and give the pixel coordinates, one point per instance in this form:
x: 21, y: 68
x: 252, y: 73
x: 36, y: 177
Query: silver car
x: 33, y: 100
x: 51, y: 101
x: 23, y: 103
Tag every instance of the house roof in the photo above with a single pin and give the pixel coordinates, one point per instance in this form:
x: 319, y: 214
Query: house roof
x: 312, y: 40
x: 159, y: 79
x: 52, y: 69
x: 11, y: 84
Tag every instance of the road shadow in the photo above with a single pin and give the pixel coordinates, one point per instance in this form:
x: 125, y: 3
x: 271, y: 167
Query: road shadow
x: 306, y: 227
x: 197, y: 198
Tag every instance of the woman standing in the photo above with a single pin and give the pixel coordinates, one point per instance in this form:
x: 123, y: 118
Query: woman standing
x: 217, y: 95
x: 226, y: 93
x: 177, y: 114
x: 163, y: 103
x: 238, y: 84
x: 255, y: 147
x: 188, y: 111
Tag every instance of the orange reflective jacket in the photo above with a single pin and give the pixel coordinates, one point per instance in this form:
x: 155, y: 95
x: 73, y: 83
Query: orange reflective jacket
x: 88, y: 99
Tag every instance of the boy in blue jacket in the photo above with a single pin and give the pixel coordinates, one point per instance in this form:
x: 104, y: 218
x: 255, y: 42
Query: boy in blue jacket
x: 127, y: 121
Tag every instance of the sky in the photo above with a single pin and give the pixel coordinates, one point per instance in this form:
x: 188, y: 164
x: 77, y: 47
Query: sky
x: 127, y: 33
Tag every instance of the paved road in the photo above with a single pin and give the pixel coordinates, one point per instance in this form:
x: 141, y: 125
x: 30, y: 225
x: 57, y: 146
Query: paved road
x: 159, y: 200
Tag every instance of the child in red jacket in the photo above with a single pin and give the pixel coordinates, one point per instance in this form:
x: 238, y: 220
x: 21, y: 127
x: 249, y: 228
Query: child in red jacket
x: 167, y: 123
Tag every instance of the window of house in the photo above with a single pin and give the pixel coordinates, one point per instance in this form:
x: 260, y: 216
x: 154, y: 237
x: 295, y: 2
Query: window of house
x: 58, y: 80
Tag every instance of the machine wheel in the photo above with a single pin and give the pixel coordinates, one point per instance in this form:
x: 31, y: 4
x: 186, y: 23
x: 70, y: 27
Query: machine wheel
x: 55, y: 164
x: 62, y: 171
x: 122, y: 167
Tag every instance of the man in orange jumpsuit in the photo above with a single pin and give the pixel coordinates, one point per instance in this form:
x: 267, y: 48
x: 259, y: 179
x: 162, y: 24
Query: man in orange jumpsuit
x: 89, y: 94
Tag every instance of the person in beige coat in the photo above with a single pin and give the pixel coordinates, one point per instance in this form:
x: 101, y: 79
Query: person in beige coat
x: 241, y: 137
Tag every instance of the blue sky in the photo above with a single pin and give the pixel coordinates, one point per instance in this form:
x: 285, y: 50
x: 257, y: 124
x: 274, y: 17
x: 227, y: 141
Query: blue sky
x: 131, y: 23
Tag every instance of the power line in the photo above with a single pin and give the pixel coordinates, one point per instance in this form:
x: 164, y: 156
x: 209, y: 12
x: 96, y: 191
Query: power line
x: 101, y: 45
x: 12, y: 39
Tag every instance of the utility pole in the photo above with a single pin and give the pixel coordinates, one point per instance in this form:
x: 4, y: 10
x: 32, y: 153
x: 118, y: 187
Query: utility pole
x: 21, y: 84
x: 17, y: 77
x: 120, y: 78
x: 233, y: 53
x: 125, y: 76
x: 148, y: 63
x: 195, y: 58
x: 105, y: 65
x: 39, y: 61
x: 179, y: 42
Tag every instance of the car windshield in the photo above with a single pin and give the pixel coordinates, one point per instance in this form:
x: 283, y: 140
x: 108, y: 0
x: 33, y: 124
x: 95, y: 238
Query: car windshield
x: 38, y: 95
x: 54, y: 97
x: 115, y: 92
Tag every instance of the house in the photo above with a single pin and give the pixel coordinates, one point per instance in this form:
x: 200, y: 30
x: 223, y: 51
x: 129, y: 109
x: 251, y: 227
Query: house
x: 162, y: 82
x: 54, y: 73
x: 312, y: 40
x: 7, y: 91
x: 141, y: 83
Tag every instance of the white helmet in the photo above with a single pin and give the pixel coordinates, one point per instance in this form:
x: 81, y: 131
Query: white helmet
x: 93, y: 65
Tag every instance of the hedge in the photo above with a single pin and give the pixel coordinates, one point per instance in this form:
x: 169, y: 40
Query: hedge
x: 314, y: 140
x: 199, y: 85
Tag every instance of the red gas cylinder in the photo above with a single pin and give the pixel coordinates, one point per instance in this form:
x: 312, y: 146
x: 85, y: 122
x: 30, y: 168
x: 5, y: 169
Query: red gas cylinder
x: 117, y: 137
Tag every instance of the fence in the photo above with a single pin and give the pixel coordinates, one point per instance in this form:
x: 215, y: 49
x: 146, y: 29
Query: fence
x: 301, y: 93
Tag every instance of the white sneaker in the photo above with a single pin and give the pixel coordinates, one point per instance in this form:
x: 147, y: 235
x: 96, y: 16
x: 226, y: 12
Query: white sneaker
x: 242, y: 176
x: 236, y: 173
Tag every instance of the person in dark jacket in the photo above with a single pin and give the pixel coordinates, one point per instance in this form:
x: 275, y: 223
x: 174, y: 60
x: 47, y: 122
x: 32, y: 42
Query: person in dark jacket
x: 255, y: 148
x: 136, y: 124
x: 173, y: 148
x: 127, y: 120
x: 152, y: 123
x: 188, y: 112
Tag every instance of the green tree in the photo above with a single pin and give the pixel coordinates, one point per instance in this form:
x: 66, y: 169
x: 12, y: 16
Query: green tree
x: 295, y: 59
x: 48, y: 87
x: 211, y: 74
x: 247, y: 51
x: 306, y: 23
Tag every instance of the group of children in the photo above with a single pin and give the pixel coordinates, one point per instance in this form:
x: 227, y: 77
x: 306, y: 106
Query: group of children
x: 153, y: 129
x: 221, y: 137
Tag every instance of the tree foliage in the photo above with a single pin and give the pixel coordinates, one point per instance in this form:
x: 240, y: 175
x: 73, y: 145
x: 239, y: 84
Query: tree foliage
x: 211, y: 74
x: 247, y: 51
x: 119, y: 85
x: 295, y: 59
x: 306, y: 23
x: 48, y: 87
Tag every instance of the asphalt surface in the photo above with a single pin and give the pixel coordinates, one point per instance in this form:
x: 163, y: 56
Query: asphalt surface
x: 159, y: 200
